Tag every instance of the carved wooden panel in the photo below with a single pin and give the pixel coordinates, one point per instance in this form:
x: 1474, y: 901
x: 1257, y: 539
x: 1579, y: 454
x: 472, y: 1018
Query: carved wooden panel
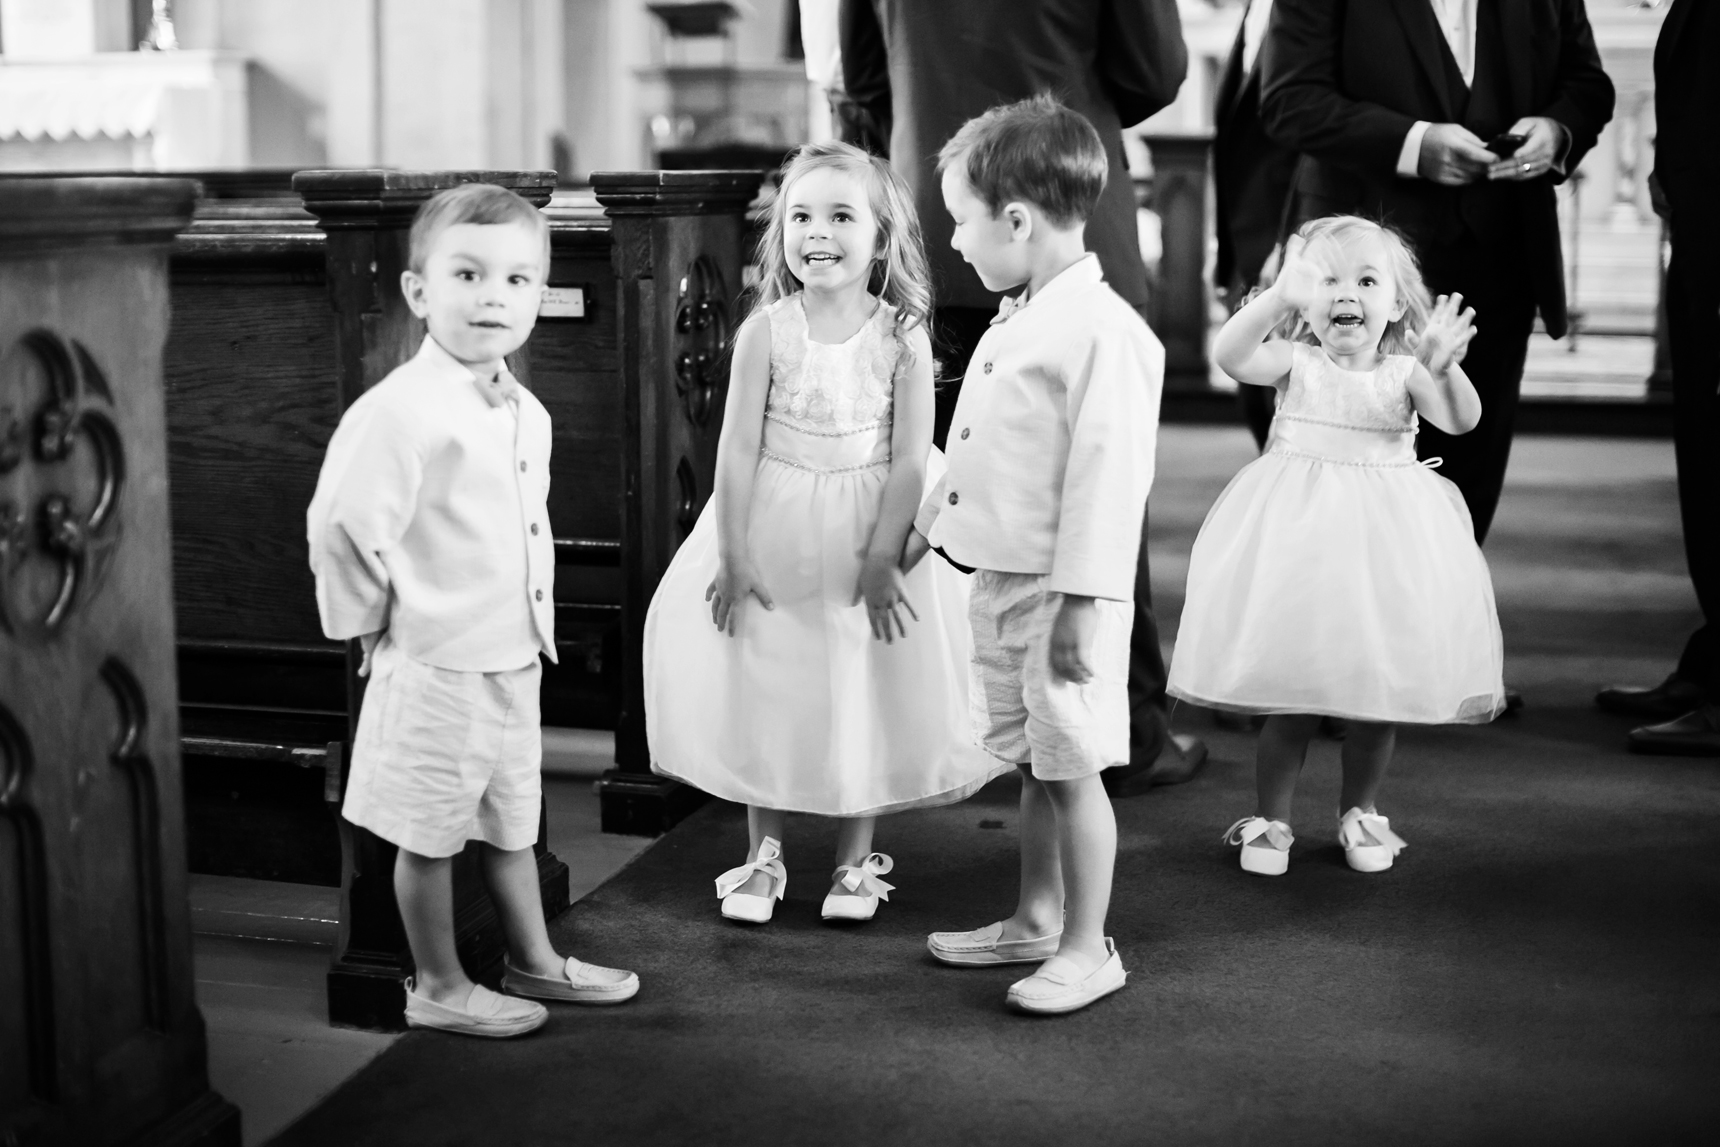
x: 99, y: 1031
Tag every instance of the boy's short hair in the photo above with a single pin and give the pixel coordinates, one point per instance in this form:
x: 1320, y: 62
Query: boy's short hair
x: 483, y: 203
x: 1037, y: 151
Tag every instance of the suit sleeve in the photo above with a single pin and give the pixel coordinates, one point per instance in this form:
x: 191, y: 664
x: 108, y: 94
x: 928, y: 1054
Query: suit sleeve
x: 1113, y: 410
x: 365, y: 498
x: 1142, y: 59
x: 866, y: 63
x: 1583, y: 96
x: 1301, y: 104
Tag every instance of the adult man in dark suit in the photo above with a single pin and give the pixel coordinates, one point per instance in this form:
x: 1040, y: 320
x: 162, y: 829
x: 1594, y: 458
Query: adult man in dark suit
x: 924, y: 68
x: 1251, y: 181
x: 1393, y: 104
x: 1687, y: 173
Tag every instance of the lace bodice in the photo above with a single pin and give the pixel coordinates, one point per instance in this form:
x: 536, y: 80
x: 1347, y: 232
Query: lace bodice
x: 1322, y: 391
x: 828, y: 389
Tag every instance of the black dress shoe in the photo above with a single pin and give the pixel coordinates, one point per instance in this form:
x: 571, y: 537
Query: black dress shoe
x: 1513, y: 700
x: 1180, y: 759
x: 1696, y: 734
x: 1671, y: 698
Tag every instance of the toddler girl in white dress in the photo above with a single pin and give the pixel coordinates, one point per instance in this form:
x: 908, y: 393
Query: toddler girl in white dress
x: 819, y: 677
x: 1335, y: 576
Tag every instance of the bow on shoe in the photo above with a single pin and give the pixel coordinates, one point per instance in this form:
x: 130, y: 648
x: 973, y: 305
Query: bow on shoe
x: 862, y: 879
x: 1351, y: 832
x: 768, y: 861
x: 1249, y: 828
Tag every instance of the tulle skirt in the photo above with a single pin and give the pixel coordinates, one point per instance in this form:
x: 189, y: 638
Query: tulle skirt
x: 1336, y: 576
x: 802, y: 709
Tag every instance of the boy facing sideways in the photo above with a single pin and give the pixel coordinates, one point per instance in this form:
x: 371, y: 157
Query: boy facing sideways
x: 430, y: 542
x: 1050, y: 461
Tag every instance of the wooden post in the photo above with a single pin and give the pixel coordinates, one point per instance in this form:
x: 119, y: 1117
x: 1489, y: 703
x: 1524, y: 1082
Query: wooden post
x: 1180, y: 300
x: 100, y: 1038
x: 677, y: 249
x: 366, y: 215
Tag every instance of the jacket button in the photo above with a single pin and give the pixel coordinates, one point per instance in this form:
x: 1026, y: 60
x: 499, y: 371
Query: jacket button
x: 988, y: 368
x: 534, y: 529
x: 954, y: 497
x: 522, y: 467
x: 964, y: 433
x: 538, y: 595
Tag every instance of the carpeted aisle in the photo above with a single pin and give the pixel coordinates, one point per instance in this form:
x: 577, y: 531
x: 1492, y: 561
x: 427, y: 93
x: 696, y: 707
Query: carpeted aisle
x: 1539, y: 968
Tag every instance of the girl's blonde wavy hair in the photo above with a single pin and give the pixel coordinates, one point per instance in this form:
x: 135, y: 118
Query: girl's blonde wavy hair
x: 1405, y: 270
x: 900, y: 274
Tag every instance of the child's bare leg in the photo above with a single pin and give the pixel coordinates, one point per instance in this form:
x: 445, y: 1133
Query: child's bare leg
x: 1087, y: 849
x: 761, y: 822
x: 1367, y: 752
x: 513, y: 881
x: 1280, y: 753
x: 424, y: 889
x: 1039, y: 911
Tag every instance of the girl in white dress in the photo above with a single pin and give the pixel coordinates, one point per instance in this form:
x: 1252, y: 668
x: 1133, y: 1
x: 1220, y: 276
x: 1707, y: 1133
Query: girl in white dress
x: 790, y: 664
x: 1335, y: 576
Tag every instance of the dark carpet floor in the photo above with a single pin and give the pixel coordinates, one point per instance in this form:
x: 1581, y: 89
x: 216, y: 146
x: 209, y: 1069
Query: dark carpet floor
x: 1539, y: 967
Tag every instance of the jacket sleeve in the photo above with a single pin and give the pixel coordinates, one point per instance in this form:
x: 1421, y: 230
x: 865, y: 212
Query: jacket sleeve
x: 1142, y: 59
x: 364, y: 501
x: 1301, y: 105
x: 1112, y: 397
x: 866, y: 64
x: 1583, y: 95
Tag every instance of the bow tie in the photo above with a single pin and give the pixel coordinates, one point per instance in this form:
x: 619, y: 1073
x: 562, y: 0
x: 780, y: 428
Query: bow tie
x: 1008, y: 306
x: 503, y: 390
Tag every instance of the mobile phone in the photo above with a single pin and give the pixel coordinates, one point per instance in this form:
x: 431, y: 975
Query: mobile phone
x: 1506, y: 143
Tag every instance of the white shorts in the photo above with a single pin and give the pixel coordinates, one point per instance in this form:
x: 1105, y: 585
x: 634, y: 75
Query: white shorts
x: 1020, y: 712
x: 443, y: 757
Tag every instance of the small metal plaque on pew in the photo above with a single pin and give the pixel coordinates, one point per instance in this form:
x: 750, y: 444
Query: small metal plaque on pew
x: 562, y: 303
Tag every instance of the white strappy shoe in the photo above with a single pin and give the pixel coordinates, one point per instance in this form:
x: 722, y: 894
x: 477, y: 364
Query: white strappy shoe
x: 1271, y: 858
x: 744, y: 905
x: 1369, y: 843
x: 864, y: 889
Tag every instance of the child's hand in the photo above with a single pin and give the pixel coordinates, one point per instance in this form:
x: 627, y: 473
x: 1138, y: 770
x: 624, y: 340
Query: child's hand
x: 368, y: 643
x: 1072, y: 639
x: 1445, y: 340
x: 884, y: 589
x: 734, y: 581
x: 913, y: 549
x: 1298, y: 283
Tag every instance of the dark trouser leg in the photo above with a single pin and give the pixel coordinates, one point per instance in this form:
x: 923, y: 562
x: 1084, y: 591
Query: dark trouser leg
x: 1259, y: 404
x: 1693, y: 326
x: 1504, y: 315
x: 1149, y: 725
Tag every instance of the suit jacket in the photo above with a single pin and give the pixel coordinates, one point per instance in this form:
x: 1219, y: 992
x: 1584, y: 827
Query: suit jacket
x: 1251, y: 175
x: 925, y: 67
x: 1687, y: 95
x: 1345, y: 80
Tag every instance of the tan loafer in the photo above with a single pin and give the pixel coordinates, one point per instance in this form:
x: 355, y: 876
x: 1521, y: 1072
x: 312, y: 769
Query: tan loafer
x: 580, y: 983
x: 986, y: 947
x: 1058, y: 986
x: 486, y: 1013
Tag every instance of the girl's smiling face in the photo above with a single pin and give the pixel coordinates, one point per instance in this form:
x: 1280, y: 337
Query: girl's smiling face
x: 829, y: 233
x: 1356, y: 296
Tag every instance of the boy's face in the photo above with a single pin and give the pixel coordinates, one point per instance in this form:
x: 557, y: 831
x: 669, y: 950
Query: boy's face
x: 994, y: 245
x: 480, y: 290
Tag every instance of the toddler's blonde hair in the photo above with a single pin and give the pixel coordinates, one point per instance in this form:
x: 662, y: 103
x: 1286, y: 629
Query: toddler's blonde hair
x: 900, y: 274
x: 1405, y: 270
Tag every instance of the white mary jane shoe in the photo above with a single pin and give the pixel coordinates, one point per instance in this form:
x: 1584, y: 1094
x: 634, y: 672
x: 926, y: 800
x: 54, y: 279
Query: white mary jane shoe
x: 1269, y: 859
x: 860, y: 902
x: 745, y: 906
x: 1369, y: 843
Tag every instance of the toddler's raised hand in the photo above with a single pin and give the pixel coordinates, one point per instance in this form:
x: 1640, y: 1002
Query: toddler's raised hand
x: 734, y: 581
x: 1444, y: 341
x: 884, y: 589
x: 1299, y: 278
